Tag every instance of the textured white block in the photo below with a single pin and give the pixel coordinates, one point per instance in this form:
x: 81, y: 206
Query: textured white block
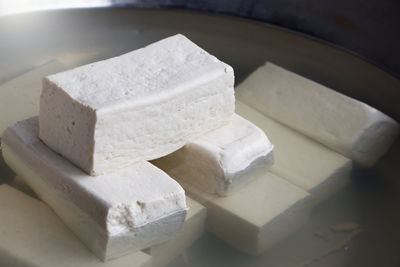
x: 33, y: 235
x: 348, y: 126
x: 19, y: 97
x: 139, y: 106
x: 257, y: 216
x: 220, y: 161
x: 300, y: 160
x: 114, y: 214
x: 192, y: 229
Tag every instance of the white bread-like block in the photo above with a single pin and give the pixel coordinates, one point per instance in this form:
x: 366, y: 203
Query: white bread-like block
x: 33, y: 235
x: 220, y: 161
x: 19, y: 97
x: 348, y: 126
x: 192, y: 229
x: 113, y: 214
x: 139, y: 106
x: 256, y: 217
x: 300, y: 160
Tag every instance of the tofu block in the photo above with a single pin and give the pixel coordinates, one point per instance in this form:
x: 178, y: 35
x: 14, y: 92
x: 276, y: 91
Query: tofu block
x: 300, y: 160
x: 139, y: 106
x: 162, y: 254
x: 19, y: 97
x: 347, y: 126
x: 193, y: 228
x: 257, y: 216
x: 220, y: 161
x: 115, y: 214
x: 33, y: 235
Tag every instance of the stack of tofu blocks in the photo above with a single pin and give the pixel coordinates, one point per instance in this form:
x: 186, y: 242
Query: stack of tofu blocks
x: 110, y: 135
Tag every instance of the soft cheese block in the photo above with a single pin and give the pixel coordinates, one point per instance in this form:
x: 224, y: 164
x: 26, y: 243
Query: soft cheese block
x: 33, y: 235
x: 139, y: 106
x: 192, y: 229
x: 300, y: 160
x: 220, y: 161
x: 348, y: 126
x: 113, y: 214
x: 257, y: 216
x: 19, y: 97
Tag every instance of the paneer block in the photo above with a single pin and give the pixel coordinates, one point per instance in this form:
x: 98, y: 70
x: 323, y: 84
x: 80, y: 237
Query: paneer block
x: 220, y: 161
x: 348, y: 126
x: 300, y: 160
x: 139, y: 106
x: 114, y: 214
x: 19, y: 97
x: 192, y: 229
x: 257, y: 216
x: 33, y: 235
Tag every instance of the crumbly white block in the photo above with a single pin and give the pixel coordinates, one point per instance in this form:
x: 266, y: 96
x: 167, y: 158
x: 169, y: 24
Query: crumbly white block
x: 113, y: 214
x: 139, y: 106
x: 256, y: 217
x: 33, y: 235
x: 19, y: 97
x: 300, y: 160
x: 348, y: 126
x: 192, y: 229
x: 220, y: 161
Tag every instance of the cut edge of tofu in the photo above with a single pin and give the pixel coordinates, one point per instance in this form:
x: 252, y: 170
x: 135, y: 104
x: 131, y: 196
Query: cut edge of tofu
x: 334, y: 180
x: 61, y: 237
x: 110, y: 248
x: 242, y: 233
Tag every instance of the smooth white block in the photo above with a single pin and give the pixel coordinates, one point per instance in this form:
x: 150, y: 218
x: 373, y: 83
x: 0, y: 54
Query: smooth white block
x: 19, y: 97
x: 220, y: 161
x: 300, y: 160
x: 114, y: 214
x: 139, y: 106
x: 348, y: 126
x: 192, y: 229
x: 257, y: 216
x: 33, y: 235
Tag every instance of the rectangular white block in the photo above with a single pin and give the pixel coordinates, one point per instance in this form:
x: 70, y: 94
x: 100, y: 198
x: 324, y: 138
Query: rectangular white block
x: 300, y: 160
x: 220, y: 161
x: 113, y: 214
x: 192, y: 229
x: 257, y: 216
x: 139, y: 106
x: 348, y: 126
x: 19, y: 97
x: 33, y: 235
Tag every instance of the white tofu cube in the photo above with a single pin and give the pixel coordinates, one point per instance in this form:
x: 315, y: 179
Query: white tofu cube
x: 300, y: 160
x: 192, y: 229
x: 113, y: 214
x: 257, y: 216
x: 139, y: 106
x: 33, y: 235
x: 348, y: 126
x: 220, y: 161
